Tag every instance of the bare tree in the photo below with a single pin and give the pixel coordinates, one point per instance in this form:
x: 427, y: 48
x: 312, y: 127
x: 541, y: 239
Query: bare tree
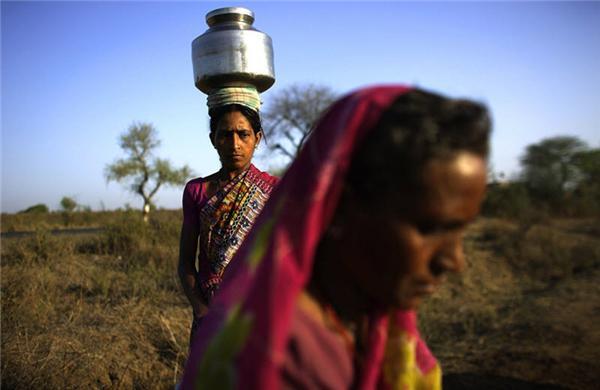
x: 291, y: 114
x: 144, y: 173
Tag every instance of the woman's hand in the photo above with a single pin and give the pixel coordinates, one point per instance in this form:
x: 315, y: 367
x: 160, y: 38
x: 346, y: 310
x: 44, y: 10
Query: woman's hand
x: 200, y: 309
x: 187, y: 269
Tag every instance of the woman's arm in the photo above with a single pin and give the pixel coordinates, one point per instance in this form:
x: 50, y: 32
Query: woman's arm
x: 188, y: 245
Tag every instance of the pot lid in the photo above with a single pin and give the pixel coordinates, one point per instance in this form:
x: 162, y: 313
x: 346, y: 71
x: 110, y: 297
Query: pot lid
x: 229, y: 14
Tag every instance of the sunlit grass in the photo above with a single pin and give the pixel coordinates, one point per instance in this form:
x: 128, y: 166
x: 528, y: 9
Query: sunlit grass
x: 106, y: 310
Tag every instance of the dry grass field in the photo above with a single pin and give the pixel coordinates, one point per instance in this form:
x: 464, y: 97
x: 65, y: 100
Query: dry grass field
x: 527, y: 307
x: 106, y: 310
x: 94, y: 311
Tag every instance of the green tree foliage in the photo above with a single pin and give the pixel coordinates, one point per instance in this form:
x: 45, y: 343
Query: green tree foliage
x: 291, y: 114
x: 550, y: 169
x: 588, y: 163
x: 39, y: 208
x: 140, y: 170
x: 587, y: 192
x: 68, y: 204
x: 506, y: 199
x: 560, y: 176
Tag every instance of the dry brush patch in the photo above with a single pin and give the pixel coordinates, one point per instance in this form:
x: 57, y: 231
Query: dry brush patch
x: 77, y: 313
x: 107, y: 311
x: 526, y: 306
x: 78, y: 219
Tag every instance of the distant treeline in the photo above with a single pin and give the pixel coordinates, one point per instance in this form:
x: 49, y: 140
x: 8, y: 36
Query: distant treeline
x: 559, y: 177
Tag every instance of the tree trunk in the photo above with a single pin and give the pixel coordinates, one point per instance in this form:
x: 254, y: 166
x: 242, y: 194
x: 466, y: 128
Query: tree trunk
x: 146, y: 210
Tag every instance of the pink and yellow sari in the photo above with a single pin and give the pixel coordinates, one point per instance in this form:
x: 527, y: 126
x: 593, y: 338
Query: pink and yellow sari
x: 242, y: 343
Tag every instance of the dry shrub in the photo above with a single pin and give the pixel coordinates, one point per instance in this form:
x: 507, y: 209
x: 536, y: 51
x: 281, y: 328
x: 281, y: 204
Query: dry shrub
x: 132, y: 345
x: 139, y: 242
x: 506, y: 200
x: 39, y: 248
x: 78, y: 219
x: 94, y: 312
x: 546, y: 254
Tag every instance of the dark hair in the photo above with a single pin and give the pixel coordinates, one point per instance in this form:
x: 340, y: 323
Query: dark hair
x: 217, y: 113
x: 416, y: 128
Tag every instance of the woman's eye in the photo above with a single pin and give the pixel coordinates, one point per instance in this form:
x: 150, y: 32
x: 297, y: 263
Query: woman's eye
x: 427, y: 228
x: 432, y: 227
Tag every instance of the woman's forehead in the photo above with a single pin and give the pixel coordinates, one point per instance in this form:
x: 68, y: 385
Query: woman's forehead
x: 454, y: 187
x: 440, y: 183
x: 234, y: 120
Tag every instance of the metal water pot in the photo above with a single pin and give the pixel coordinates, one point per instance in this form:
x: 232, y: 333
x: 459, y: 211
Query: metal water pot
x: 232, y: 52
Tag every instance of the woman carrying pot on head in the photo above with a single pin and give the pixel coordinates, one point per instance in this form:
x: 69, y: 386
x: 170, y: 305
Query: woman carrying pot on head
x: 365, y: 224
x: 219, y: 210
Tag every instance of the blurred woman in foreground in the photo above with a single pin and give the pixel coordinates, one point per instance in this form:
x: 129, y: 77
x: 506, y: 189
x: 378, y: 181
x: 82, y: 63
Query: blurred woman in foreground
x: 363, y: 226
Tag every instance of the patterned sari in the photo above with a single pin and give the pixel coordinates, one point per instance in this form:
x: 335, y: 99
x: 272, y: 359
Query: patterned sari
x: 244, y: 339
x: 225, y: 220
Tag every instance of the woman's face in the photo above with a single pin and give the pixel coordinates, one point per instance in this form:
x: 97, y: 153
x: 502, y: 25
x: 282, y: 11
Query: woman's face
x: 399, y: 256
x: 235, y: 141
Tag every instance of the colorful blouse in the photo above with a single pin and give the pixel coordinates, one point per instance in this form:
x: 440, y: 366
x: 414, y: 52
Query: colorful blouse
x: 223, y: 220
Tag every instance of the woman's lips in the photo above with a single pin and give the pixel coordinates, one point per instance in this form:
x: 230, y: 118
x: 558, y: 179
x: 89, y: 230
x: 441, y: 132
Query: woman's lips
x: 425, y: 288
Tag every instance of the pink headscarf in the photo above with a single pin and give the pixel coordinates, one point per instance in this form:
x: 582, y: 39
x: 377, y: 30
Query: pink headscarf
x: 242, y: 341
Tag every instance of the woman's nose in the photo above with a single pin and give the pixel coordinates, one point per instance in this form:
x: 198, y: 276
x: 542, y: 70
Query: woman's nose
x: 458, y: 256
x: 235, y: 142
x: 450, y: 258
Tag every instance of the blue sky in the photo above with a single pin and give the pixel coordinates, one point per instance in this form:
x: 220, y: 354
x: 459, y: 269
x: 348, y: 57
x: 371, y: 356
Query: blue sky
x: 75, y: 75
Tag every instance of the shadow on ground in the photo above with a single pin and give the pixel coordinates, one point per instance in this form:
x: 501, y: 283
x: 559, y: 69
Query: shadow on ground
x: 470, y: 381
